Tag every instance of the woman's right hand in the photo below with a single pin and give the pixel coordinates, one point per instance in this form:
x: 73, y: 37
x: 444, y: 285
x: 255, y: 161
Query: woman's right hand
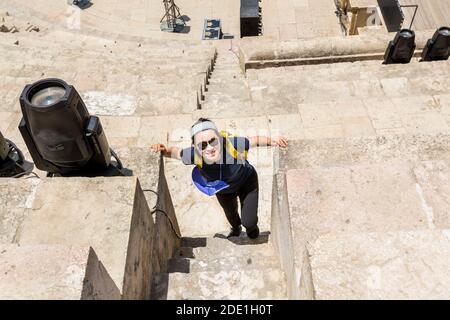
x: 159, y: 147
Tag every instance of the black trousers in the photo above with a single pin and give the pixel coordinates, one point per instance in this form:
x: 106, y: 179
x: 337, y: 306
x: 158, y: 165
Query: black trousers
x: 248, y: 198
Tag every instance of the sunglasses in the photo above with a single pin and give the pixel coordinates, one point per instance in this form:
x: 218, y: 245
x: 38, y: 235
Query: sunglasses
x: 204, y: 144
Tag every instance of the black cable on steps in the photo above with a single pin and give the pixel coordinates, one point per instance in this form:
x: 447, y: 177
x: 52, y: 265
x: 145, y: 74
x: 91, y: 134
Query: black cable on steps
x: 154, y: 210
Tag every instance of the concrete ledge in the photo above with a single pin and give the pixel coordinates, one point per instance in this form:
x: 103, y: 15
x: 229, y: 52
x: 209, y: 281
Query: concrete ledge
x: 364, y: 209
x: 391, y: 265
x: 53, y: 272
x: 130, y: 231
x: 346, y: 189
x: 364, y: 150
x: 103, y: 213
x: 298, y: 274
x: 264, y: 54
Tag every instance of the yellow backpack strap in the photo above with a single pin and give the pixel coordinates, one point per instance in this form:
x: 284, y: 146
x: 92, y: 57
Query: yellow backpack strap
x: 230, y: 147
x: 198, y: 160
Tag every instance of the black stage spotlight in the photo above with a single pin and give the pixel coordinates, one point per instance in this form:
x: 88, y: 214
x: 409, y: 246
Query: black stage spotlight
x: 401, y: 49
x: 63, y: 139
x: 11, y: 159
x: 438, y: 47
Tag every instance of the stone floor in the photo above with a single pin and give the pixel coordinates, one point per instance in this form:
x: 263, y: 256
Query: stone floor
x: 138, y: 17
x: 299, y: 19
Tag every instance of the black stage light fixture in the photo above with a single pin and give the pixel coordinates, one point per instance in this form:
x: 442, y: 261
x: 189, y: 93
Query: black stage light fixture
x: 438, y: 47
x: 11, y: 159
x: 63, y: 139
x: 401, y: 49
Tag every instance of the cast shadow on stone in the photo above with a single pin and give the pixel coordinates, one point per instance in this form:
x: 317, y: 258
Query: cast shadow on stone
x: 160, y: 283
x: 186, y: 29
x: 112, y: 171
x: 181, y: 265
x: 189, y: 242
x: 244, y: 240
x: 160, y: 286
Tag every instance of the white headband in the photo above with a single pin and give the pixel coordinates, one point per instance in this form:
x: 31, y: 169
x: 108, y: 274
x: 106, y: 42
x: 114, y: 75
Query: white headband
x: 202, y: 126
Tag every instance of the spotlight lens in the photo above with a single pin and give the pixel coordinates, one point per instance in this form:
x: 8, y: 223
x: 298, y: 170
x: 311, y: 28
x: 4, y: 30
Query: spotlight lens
x: 406, y: 34
x: 48, y: 96
x: 445, y: 31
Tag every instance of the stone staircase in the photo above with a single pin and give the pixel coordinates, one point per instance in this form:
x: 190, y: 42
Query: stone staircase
x: 150, y: 106
x: 145, y: 66
x: 215, y: 268
x: 360, y: 196
x: 227, y: 90
x: 357, y: 207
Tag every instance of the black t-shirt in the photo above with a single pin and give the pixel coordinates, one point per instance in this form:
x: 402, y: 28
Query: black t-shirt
x: 233, y: 171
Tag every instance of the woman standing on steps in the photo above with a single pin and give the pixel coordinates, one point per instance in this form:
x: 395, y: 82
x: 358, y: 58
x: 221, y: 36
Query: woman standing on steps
x: 221, y: 169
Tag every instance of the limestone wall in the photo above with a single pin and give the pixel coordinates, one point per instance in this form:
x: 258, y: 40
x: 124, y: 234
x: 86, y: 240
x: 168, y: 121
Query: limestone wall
x: 269, y: 53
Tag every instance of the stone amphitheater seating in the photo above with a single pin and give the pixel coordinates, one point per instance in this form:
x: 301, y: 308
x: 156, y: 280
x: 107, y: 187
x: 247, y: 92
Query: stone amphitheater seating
x: 356, y: 207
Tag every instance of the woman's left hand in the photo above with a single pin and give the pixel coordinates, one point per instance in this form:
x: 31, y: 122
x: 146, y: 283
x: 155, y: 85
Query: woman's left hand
x: 280, y: 141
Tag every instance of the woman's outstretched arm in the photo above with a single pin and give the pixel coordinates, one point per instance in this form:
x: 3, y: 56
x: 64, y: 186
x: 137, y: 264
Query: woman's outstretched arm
x: 169, y: 152
x: 260, y: 141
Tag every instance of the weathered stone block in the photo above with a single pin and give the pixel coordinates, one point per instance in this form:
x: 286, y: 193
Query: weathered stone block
x: 16, y: 198
x: 382, y: 265
x: 53, y: 272
x: 109, y: 214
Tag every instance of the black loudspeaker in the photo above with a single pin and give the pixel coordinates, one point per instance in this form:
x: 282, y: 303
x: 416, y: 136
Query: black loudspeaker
x: 4, y: 148
x: 11, y: 159
x: 438, y: 47
x: 61, y: 135
x: 401, y: 49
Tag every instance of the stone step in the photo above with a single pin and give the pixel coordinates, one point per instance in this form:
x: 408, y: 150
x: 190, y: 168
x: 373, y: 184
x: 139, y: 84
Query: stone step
x: 113, y: 217
x: 349, y: 151
x: 66, y: 41
x: 227, y: 285
x: 353, y: 71
x: 391, y: 196
x: 98, y: 41
x: 54, y: 272
x: 376, y: 189
x: 225, y: 78
x: 72, y: 223
x: 233, y: 89
x: 206, y: 249
x: 226, y: 108
x: 347, y: 90
x: 101, y: 59
x: 242, y: 261
x: 383, y: 265
x: 226, y: 92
